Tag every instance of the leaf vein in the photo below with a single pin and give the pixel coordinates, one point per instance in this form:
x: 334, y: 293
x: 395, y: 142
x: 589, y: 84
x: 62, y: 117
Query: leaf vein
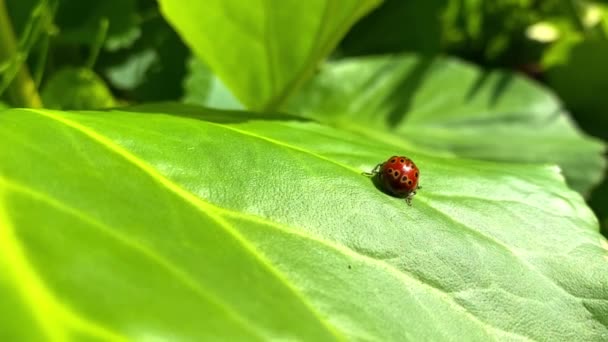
x: 198, y: 203
x: 506, y: 248
x: 146, y: 252
x: 402, y: 276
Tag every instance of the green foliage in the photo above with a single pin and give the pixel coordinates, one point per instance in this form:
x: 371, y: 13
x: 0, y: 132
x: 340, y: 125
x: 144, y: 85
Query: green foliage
x: 76, y: 88
x: 578, y: 82
x: 80, y: 20
x: 396, y: 26
x: 202, y: 87
x: 279, y: 42
x: 489, y: 116
x: 177, y: 221
x: 499, y: 32
x: 562, y: 43
x: 265, y: 224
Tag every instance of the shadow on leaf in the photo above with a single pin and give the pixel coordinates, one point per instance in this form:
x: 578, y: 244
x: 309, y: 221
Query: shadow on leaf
x: 209, y: 114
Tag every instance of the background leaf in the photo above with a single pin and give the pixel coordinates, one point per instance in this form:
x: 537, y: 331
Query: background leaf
x: 76, y: 88
x: 448, y: 106
x: 577, y: 82
x: 202, y: 87
x: 398, y: 26
x: 274, y: 44
x: 263, y: 226
x: 79, y: 22
x: 154, y: 68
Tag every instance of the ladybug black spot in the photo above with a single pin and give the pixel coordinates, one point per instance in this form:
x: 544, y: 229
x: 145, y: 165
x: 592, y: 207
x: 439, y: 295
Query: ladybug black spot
x: 409, y: 182
x: 402, y: 160
x: 404, y: 178
x: 416, y: 174
x: 393, y: 161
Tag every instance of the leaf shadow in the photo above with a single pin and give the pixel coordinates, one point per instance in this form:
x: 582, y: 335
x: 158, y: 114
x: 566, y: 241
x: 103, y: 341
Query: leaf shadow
x: 198, y: 112
x: 402, y: 96
x: 498, y: 87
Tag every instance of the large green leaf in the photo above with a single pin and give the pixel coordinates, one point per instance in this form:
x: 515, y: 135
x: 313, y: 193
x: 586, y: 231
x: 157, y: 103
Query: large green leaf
x: 202, y: 87
x: 183, y: 223
x: 263, y: 49
x: 447, y: 105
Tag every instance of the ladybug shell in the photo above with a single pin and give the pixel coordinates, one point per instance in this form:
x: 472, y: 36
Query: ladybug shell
x: 400, y: 175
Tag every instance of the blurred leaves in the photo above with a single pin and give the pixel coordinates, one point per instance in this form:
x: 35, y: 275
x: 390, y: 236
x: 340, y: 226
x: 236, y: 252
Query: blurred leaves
x: 274, y: 44
x: 18, y: 47
x: 20, y: 12
x: 450, y: 107
x: 487, y: 32
x: 155, y: 66
x: 398, y: 26
x: 599, y: 203
x: 79, y: 22
x: 76, y: 88
x: 581, y: 81
x: 141, y: 58
x: 202, y: 87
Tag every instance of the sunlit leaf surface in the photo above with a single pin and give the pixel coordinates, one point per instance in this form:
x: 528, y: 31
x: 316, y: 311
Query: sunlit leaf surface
x: 182, y: 223
x: 274, y: 44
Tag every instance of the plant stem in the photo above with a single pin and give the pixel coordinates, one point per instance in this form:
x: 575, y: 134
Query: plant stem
x: 100, y: 38
x: 22, y: 91
x: 575, y: 15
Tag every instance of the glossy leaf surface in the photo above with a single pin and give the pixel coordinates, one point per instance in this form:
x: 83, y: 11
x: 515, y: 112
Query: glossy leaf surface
x: 176, y: 222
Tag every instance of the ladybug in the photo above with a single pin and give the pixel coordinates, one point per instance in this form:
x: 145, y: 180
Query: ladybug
x: 398, y: 176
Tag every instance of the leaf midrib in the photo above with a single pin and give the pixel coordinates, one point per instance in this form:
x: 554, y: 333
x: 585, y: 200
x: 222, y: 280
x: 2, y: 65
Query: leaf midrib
x: 317, y: 51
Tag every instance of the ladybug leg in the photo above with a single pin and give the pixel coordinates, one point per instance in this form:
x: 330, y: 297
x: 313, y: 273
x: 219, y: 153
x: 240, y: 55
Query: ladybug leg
x: 375, y: 171
x: 409, y: 198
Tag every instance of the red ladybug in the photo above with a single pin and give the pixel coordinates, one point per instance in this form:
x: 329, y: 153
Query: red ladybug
x: 398, y: 176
